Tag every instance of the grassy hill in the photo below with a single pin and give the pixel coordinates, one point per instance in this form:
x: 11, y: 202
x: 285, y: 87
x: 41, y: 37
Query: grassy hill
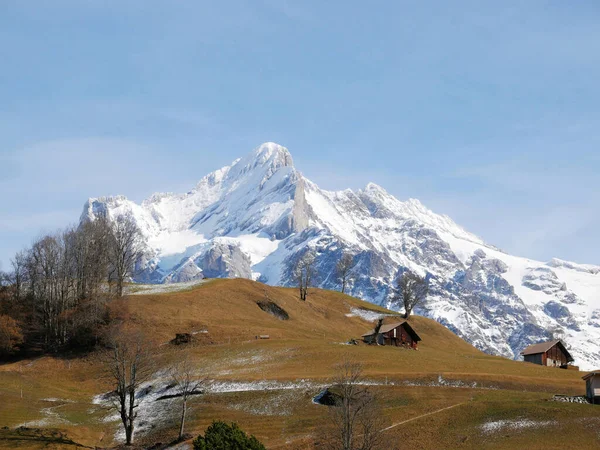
x: 448, y: 394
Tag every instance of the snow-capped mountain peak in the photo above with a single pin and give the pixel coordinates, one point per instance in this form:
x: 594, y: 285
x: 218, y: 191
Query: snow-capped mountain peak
x: 255, y: 217
x: 269, y: 154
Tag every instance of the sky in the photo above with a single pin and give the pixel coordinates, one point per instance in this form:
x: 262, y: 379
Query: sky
x: 486, y: 111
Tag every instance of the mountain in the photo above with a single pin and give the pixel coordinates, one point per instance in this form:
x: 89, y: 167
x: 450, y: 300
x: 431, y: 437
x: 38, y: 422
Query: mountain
x: 256, y: 217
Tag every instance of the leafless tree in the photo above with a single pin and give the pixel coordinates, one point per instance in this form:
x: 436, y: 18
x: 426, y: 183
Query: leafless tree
x: 304, y: 272
x: 19, y: 273
x: 344, y: 270
x: 125, y: 248
x: 5, y: 279
x: 411, y: 290
x: 128, y: 364
x: 52, y: 287
x: 187, y: 383
x: 355, y: 414
x: 91, y: 242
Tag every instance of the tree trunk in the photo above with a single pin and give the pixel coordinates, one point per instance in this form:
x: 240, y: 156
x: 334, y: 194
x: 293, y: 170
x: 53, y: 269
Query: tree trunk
x: 347, y: 426
x: 183, y: 411
x: 129, y: 428
x: 128, y: 435
x: 119, y: 287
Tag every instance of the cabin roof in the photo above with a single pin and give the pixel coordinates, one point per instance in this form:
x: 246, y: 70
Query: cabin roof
x: 390, y: 326
x: 591, y: 374
x: 543, y: 347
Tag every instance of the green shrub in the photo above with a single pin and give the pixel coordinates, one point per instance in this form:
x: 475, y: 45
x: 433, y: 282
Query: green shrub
x: 222, y: 436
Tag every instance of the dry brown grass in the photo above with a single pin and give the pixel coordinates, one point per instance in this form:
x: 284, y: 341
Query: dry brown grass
x: 306, y: 347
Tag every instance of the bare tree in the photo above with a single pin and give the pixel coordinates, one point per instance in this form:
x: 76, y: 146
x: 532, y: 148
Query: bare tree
x: 303, y: 273
x: 19, y: 273
x: 187, y: 383
x: 355, y: 414
x: 411, y: 290
x: 91, y: 242
x: 129, y: 364
x: 51, y: 285
x: 125, y: 247
x: 344, y: 270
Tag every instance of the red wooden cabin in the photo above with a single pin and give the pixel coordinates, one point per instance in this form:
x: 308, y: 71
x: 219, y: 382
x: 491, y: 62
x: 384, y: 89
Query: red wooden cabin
x: 552, y: 354
x: 398, y: 334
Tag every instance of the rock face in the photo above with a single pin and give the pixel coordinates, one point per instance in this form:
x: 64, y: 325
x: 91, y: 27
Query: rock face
x: 225, y: 261
x: 256, y: 217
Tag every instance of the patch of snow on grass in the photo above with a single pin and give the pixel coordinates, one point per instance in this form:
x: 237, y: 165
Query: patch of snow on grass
x: 154, y: 408
x: 54, y: 399
x: 221, y: 387
x: 367, y: 314
x: 51, y: 418
x: 514, y: 425
x: 442, y: 382
x: 151, y: 289
x: 151, y: 409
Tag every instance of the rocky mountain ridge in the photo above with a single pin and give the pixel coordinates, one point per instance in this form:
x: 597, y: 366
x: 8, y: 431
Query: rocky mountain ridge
x: 254, y: 218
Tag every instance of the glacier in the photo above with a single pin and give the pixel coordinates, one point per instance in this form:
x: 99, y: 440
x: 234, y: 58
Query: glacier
x: 255, y: 217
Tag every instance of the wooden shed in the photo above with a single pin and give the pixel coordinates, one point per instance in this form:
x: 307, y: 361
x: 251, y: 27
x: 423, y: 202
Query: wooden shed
x: 552, y: 354
x: 592, y: 386
x: 397, y: 334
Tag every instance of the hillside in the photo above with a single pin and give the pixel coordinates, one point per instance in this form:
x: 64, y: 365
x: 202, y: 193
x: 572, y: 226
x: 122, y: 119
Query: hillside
x: 257, y: 216
x: 267, y: 385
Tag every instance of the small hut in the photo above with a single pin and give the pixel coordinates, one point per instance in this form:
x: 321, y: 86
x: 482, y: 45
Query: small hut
x: 397, y: 334
x: 552, y: 354
x: 592, y: 386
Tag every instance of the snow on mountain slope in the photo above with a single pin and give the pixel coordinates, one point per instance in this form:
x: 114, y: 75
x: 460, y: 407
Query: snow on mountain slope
x: 255, y: 217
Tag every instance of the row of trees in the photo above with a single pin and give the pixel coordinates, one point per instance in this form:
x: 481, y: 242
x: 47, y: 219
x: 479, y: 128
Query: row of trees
x: 56, y: 291
x: 305, y: 270
x: 410, y: 289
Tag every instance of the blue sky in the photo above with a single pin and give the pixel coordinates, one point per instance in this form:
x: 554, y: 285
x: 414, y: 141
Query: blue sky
x: 486, y: 111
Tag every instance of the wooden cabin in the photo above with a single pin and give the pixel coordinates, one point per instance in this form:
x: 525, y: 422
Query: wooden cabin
x: 398, y: 334
x: 551, y: 354
x: 592, y: 387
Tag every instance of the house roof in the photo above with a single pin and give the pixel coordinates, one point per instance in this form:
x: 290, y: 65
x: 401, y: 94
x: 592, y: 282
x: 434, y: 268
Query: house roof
x: 543, y: 347
x: 386, y: 327
x: 591, y: 374
x: 390, y: 326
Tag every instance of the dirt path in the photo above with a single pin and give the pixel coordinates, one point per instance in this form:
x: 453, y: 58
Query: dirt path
x: 385, y: 429
x: 422, y: 415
